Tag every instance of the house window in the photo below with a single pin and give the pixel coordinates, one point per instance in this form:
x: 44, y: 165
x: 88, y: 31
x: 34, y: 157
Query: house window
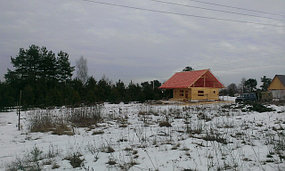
x: 200, y: 93
x: 181, y: 93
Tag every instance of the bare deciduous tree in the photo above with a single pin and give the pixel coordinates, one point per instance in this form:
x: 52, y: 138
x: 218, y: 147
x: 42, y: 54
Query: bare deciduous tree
x: 82, y: 70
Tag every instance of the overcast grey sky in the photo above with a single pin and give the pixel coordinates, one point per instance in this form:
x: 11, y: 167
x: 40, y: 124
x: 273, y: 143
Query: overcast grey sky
x: 136, y: 45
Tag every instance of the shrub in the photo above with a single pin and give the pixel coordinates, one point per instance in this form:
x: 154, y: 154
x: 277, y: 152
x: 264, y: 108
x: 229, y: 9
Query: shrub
x: 164, y: 124
x: 29, y: 162
x: 62, y: 129
x: 41, y: 121
x: 215, y: 137
x: 260, y: 108
x: 35, y: 154
x: 52, y: 151
x: 55, y: 166
x: 197, y: 128
x: 109, y: 149
x: 128, y: 165
x: 111, y: 162
x: 75, y: 160
x: 44, y: 121
x: 85, y: 116
x: 98, y: 132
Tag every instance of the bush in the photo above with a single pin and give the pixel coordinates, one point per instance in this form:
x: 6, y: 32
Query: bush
x: 29, y: 162
x: 260, y: 108
x: 75, y: 160
x: 164, y: 124
x: 98, y: 132
x: 41, y: 121
x: 85, y: 116
x: 44, y: 121
x: 111, y: 162
x: 215, y: 137
x: 62, y: 129
x: 109, y: 149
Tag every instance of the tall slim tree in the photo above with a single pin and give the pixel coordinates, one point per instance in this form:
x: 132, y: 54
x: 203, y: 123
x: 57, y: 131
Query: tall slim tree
x: 241, y: 86
x: 91, y: 90
x: 265, y: 83
x: 82, y: 69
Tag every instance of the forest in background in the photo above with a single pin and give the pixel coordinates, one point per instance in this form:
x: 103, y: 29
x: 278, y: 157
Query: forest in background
x: 43, y: 78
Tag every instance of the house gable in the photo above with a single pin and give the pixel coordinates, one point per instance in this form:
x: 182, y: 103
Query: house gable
x: 278, y: 83
x: 208, y: 80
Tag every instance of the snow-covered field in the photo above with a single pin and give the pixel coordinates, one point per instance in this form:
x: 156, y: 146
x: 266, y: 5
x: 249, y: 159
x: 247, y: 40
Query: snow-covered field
x: 135, y: 137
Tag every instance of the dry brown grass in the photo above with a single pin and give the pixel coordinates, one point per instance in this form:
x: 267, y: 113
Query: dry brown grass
x: 85, y: 116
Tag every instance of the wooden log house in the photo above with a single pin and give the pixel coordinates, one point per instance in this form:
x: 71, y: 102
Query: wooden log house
x: 277, y: 87
x: 198, y: 85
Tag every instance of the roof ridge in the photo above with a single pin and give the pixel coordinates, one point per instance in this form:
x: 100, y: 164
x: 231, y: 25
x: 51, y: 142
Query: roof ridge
x: 194, y: 70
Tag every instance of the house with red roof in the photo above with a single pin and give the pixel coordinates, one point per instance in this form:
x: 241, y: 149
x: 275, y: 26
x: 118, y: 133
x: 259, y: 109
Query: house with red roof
x: 194, y: 85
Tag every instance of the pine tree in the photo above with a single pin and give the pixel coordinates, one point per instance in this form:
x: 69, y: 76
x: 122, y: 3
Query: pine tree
x: 64, y: 70
x: 38, y: 73
x: 91, y: 90
x: 188, y: 68
x: 265, y: 83
x: 48, y: 65
x: 250, y: 84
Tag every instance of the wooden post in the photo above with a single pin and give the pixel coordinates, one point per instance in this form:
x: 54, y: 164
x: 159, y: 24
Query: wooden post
x: 19, y: 111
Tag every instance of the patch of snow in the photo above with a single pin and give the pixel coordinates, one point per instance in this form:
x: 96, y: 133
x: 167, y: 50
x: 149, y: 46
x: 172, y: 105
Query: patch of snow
x: 227, y: 98
x: 219, y: 137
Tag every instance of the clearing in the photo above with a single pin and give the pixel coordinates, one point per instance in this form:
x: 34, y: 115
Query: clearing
x: 144, y: 137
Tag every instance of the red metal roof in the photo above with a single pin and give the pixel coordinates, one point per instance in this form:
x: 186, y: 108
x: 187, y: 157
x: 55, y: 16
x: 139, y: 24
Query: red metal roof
x: 187, y: 79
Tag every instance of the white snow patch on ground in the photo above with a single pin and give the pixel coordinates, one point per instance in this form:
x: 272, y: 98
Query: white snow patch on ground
x: 227, y: 98
x: 204, y: 137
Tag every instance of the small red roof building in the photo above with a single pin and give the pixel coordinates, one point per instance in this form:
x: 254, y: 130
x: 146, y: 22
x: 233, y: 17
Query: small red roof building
x: 194, y: 85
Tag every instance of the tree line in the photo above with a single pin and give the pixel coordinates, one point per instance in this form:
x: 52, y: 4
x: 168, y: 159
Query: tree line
x: 247, y: 86
x: 45, y: 78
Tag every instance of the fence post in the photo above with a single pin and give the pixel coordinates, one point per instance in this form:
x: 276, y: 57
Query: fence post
x: 19, y: 111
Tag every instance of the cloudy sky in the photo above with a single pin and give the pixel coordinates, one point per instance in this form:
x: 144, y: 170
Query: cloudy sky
x: 129, y: 44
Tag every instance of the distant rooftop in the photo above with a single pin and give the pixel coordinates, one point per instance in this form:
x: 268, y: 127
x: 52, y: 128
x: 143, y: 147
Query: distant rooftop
x: 281, y: 78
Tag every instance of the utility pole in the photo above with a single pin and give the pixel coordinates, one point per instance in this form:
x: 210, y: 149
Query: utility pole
x: 19, y: 111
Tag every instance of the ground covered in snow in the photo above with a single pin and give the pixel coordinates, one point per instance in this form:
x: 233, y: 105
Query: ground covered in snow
x: 144, y: 137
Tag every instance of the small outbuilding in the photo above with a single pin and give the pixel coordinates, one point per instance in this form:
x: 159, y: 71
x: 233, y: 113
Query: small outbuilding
x: 195, y: 85
x: 277, y: 87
